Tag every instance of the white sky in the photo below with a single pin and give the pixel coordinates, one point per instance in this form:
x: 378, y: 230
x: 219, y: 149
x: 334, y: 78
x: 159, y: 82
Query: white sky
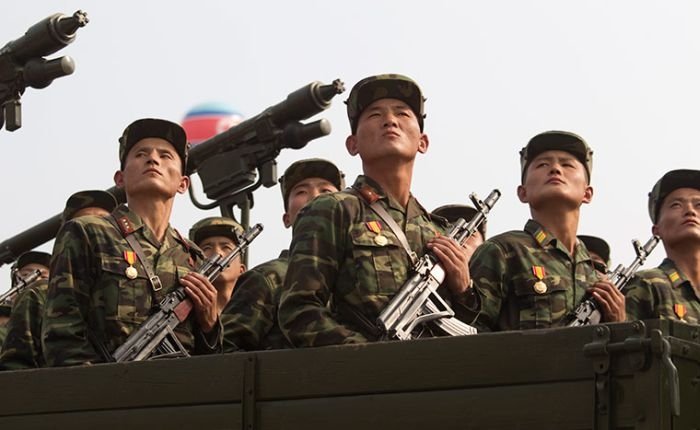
x: 623, y: 74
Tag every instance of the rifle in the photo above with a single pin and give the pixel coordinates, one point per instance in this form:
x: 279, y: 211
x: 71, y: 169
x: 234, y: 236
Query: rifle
x: 587, y: 313
x: 417, y: 302
x: 156, y: 334
x: 21, y: 285
x: 227, y: 162
x: 22, y: 64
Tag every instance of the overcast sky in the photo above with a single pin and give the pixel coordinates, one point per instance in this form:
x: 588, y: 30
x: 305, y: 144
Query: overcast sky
x: 625, y: 75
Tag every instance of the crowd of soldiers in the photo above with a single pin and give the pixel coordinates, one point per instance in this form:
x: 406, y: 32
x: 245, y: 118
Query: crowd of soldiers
x: 352, y: 249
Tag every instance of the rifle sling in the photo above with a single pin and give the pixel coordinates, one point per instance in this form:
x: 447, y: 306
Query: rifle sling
x: 153, y: 279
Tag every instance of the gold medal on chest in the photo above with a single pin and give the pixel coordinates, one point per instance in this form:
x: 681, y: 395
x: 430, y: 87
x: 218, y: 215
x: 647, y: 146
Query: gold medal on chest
x: 540, y: 287
x: 380, y: 240
x: 130, y: 271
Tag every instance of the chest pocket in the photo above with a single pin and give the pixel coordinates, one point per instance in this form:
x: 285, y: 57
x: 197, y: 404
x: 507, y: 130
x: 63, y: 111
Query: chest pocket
x: 536, y: 308
x: 123, y: 299
x: 377, y: 263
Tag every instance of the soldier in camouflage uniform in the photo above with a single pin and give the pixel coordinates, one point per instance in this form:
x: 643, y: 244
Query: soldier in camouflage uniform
x: 250, y: 319
x: 531, y: 279
x: 346, y: 260
x: 27, y: 263
x: 219, y: 235
x: 599, y: 250
x: 22, y: 347
x: 100, y: 290
x: 672, y: 290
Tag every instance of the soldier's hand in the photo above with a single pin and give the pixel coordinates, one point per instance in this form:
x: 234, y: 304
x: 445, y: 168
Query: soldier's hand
x: 203, y: 296
x: 455, y: 260
x: 610, y: 300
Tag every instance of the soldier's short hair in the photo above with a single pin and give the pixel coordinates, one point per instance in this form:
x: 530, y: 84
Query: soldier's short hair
x: 215, y: 226
x: 454, y: 212
x: 88, y: 199
x: 153, y: 127
x: 309, y: 168
x: 557, y: 140
x: 387, y: 86
x: 671, y: 181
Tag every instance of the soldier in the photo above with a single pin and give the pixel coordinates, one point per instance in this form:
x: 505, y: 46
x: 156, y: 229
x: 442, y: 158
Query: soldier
x: 672, y: 290
x: 27, y: 263
x: 599, y: 250
x: 533, y: 278
x: 109, y: 272
x: 250, y: 319
x: 219, y: 235
x: 352, y: 251
x: 22, y: 347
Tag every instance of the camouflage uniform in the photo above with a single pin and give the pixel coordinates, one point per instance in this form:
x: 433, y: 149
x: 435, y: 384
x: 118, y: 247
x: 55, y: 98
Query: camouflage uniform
x: 22, y: 346
x: 91, y: 301
x: 663, y: 292
x: 335, y: 259
x: 503, y: 275
x: 5, y: 311
x: 250, y: 317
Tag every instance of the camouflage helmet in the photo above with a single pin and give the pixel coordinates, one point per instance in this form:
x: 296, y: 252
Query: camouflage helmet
x: 88, y: 199
x: 597, y: 246
x: 309, y: 168
x: 152, y: 127
x: 215, y: 226
x: 392, y: 86
x: 454, y: 212
x: 671, y: 181
x: 557, y: 140
x: 36, y: 257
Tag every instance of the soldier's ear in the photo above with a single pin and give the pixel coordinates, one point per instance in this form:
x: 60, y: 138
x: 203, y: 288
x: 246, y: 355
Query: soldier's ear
x: 655, y: 231
x: 522, y: 194
x: 423, y: 143
x: 184, y: 184
x: 286, y: 220
x: 351, y: 145
x: 588, y: 194
x: 119, y: 179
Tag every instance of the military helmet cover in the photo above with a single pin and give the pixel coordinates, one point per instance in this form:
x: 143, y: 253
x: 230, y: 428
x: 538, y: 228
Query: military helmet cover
x: 597, y: 245
x: 152, y: 127
x: 87, y: 199
x: 215, y: 226
x: 36, y: 257
x: 671, y: 181
x: 454, y: 212
x: 557, y: 140
x: 309, y: 168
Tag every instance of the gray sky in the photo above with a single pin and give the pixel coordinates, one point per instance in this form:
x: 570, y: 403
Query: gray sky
x: 622, y: 74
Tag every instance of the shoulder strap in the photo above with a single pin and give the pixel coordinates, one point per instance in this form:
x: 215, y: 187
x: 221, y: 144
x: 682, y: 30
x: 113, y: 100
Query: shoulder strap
x: 372, y: 199
x: 124, y: 226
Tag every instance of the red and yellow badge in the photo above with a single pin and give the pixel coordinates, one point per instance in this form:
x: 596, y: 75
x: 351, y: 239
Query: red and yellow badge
x: 680, y: 310
x: 130, y: 257
x: 376, y: 227
x: 540, y: 287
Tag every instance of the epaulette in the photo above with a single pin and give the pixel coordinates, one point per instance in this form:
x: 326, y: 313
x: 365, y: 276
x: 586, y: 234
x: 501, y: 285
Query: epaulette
x: 125, y: 226
x: 368, y: 193
x: 540, y: 235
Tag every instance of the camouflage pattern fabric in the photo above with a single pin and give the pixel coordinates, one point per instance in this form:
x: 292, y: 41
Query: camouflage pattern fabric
x: 387, y: 86
x: 3, y: 333
x: 506, y: 270
x: 663, y: 292
x: 90, y: 296
x: 22, y: 346
x: 337, y: 260
x: 250, y: 317
x: 309, y: 168
x: 86, y: 199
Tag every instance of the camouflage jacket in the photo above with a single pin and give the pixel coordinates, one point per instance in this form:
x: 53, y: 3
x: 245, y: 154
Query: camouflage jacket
x: 506, y: 271
x: 22, y: 346
x: 340, y: 276
x: 91, y: 302
x: 250, y: 317
x: 663, y: 292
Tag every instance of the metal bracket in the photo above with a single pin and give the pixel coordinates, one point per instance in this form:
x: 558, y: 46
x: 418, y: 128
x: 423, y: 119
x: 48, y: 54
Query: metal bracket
x: 248, y: 396
x: 598, y: 352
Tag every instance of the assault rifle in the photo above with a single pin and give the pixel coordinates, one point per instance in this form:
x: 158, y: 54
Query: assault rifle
x: 418, y: 303
x: 587, y: 313
x: 22, y: 64
x: 21, y: 285
x: 156, y: 337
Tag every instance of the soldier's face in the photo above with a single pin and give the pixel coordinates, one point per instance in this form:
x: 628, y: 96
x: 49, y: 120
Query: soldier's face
x: 152, y: 168
x: 387, y: 128
x: 302, y: 193
x: 222, y: 245
x: 30, y: 268
x: 678, y: 217
x: 555, y: 178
